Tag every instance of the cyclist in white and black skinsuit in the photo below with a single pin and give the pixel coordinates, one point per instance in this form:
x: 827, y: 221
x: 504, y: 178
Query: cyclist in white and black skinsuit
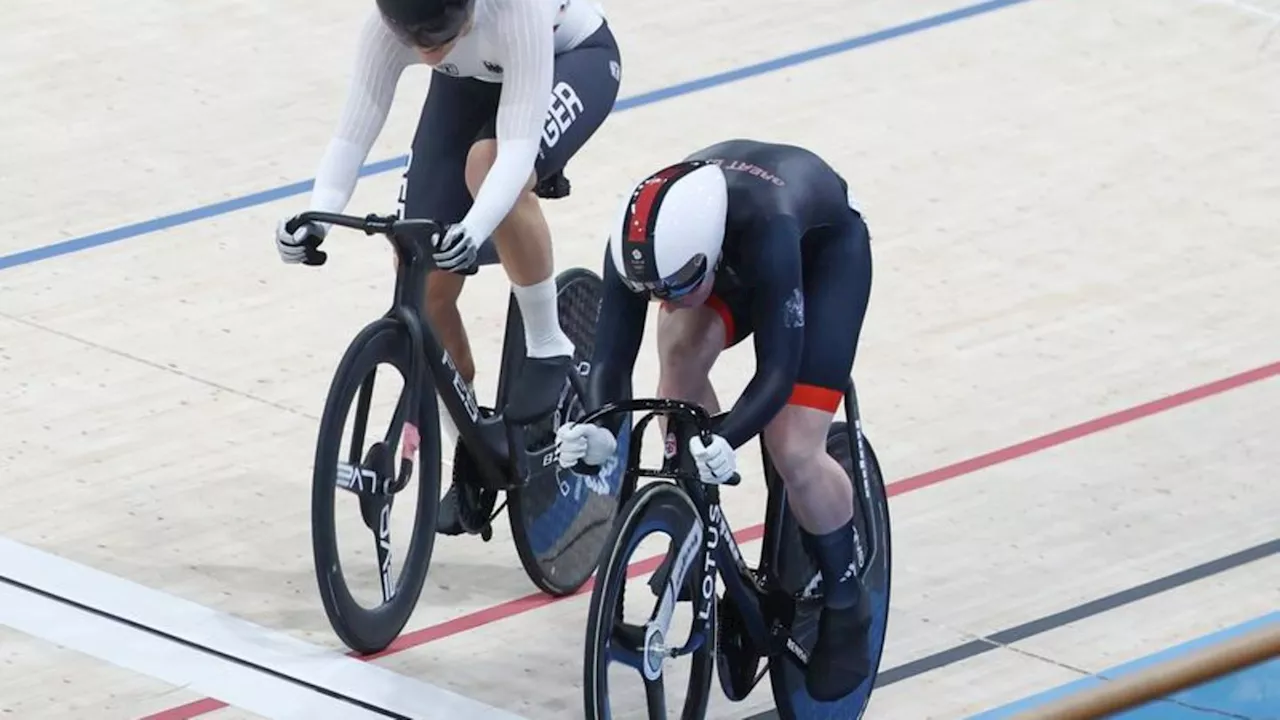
x: 518, y: 87
x: 743, y: 238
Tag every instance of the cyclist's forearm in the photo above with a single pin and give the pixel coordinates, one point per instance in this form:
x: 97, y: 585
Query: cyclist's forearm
x: 619, y: 332
x: 337, y: 175
x: 502, y: 185
x: 764, y: 396
x: 778, y: 317
x: 611, y: 368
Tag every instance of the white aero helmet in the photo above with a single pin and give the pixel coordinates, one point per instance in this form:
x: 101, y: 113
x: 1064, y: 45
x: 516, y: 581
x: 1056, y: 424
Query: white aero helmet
x: 669, y: 231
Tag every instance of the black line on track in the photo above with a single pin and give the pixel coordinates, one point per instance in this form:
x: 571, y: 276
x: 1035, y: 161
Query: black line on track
x: 999, y: 639
x: 204, y: 649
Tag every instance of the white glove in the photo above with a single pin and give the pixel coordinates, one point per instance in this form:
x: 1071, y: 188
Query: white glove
x: 302, y: 245
x: 584, y: 441
x: 716, y: 462
x: 457, y: 250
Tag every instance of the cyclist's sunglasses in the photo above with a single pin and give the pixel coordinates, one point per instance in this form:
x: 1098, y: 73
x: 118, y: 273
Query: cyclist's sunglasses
x: 678, y: 284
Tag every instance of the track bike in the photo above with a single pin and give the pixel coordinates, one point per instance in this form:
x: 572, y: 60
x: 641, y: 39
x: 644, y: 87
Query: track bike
x: 559, y: 519
x: 769, y: 613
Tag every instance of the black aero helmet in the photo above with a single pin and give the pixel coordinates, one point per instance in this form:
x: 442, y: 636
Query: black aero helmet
x: 426, y: 23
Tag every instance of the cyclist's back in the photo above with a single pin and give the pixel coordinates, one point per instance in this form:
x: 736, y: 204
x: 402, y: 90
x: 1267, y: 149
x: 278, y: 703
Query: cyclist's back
x: 770, y: 179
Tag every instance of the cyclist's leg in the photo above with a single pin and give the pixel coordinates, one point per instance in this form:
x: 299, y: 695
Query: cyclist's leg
x: 435, y: 187
x: 837, y: 286
x: 584, y: 88
x: 817, y: 489
x: 690, y: 339
x: 837, y: 289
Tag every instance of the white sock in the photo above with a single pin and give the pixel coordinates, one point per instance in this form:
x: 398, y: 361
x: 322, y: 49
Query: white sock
x: 542, y: 334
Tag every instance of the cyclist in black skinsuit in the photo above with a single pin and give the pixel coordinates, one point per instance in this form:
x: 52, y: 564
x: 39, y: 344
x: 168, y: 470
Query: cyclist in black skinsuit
x: 739, y: 238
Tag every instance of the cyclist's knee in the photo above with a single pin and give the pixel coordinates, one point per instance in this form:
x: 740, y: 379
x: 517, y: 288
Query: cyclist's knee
x: 694, y: 352
x: 690, y: 338
x: 796, y: 439
x: 684, y: 365
x: 479, y: 159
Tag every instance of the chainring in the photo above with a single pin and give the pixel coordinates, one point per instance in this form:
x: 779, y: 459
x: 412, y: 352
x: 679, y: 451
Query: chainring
x: 737, y: 659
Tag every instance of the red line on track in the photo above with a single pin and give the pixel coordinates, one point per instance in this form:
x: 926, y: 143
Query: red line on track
x: 521, y: 605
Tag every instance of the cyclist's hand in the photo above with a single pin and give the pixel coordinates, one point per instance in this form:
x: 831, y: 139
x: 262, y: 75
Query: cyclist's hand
x: 457, y: 250
x: 584, y: 442
x: 302, y: 245
x: 716, y: 461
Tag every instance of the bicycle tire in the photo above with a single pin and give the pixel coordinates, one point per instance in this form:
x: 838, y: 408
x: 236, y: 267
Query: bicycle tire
x: 560, y: 520
x: 653, y: 507
x: 366, y: 631
x: 787, y: 680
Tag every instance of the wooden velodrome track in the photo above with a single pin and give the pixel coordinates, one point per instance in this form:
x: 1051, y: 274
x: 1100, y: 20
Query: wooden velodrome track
x: 1068, y: 370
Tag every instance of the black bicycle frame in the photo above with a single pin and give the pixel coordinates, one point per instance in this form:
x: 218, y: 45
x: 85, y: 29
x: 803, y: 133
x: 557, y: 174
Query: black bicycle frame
x: 722, y: 556
x: 745, y: 587
x: 496, y: 446
x: 721, y: 551
x: 491, y: 441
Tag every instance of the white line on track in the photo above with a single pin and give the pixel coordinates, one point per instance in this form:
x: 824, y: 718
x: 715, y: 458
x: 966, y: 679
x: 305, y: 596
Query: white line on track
x: 188, y: 645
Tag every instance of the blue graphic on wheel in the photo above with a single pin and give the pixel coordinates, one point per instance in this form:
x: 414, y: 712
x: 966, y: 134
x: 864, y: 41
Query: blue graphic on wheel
x: 571, y: 513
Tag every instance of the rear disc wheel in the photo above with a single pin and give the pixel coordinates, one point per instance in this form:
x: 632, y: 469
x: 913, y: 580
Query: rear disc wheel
x: 560, y: 519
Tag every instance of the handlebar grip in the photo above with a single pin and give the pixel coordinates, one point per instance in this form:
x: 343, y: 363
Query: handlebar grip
x: 736, y: 479
x: 370, y: 224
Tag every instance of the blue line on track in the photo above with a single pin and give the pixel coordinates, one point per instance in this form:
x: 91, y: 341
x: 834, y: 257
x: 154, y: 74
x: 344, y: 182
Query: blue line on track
x: 165, y: 222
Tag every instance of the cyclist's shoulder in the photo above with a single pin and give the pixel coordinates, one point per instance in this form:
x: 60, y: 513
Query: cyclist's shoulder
x: 758, y: 243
